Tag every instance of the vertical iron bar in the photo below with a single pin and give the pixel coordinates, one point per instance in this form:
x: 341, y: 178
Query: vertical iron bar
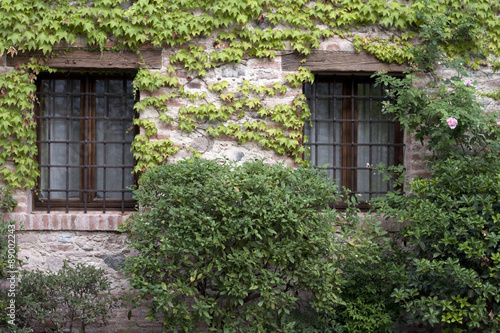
x: 353, y: 173
x: 314, y: 92
x: 370, y: 140
x: 335, y: 143
x: 124, y: 108
x: 49, y: 115
x: 105, y: 121
x: 69, y: 106
x: 86, y: 128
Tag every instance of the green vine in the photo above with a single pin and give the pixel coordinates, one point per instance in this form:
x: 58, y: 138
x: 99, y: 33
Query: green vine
x: 414, y: 32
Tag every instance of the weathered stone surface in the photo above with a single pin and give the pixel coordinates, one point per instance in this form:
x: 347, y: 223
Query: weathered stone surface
x: 66, y: 237
x: 233, y: 71
x: 54, y: 263
x: 114, y: 261
x: 84, y: 246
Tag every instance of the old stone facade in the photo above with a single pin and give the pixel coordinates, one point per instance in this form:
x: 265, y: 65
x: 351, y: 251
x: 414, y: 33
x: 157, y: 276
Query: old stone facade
x: 46, y: 239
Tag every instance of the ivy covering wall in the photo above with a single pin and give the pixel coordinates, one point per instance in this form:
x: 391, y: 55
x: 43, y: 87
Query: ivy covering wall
x: 411, y: 32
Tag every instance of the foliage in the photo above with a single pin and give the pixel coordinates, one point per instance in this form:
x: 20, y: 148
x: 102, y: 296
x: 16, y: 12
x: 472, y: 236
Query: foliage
x: 369, y: 272
x: 424, y: 110
x: 74, y: 297
x: 453, y: 263
x: 17, y: 128
x: 8, y: 255
x: 449, y: 236
x: 7, y: 202
x: 232, y: 246
x: 310, y: 321
x: 415, y: 32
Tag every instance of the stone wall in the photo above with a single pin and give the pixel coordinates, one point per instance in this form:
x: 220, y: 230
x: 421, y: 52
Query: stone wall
x: 46, y: 240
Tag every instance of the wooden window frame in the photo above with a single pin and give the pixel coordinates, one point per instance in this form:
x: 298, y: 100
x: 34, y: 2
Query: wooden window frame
x: 87, y: 140
x: 350, y: 121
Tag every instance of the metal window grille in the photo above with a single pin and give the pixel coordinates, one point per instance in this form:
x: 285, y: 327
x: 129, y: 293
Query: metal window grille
x: 85, y: 130
x: 349, y: 133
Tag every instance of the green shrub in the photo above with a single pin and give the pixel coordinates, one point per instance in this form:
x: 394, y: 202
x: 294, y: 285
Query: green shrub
x: 229, y: 247
x: 311, y: 321
x: 8, y: 259
x: 73, y: 297
x: 452, y: 242
x: 369, y: 273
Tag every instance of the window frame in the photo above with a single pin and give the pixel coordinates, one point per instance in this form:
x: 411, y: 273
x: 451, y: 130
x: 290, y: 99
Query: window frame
x: 87, y: 143
x: 350, y: 124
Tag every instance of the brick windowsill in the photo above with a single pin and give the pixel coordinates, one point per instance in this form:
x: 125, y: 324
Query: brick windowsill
x: 76, y: 221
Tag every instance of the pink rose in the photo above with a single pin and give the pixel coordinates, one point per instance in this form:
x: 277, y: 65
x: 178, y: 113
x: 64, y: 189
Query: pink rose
x: 468, y: 82
x: 498, y: 123
x: 452, y: 122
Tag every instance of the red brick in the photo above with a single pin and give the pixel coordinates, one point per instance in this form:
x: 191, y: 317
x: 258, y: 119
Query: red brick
x: 36, y: 222
x: 64, y: 222
x: 103, y: 222
x: 112, y: 223
x: 83, y: 222
x: 227, y: 138
x: 21, y: 199
x: 267, y: 75
x: 162, y: 136
x: 263, y: 64
x: 20, y: 208
x: 175, y: 102
x: 93, y: 224
x: 333, y: 47
x: 166, y: 126
x: 73, y: 222
x: 45, y: 221
x: 119, y: 220
x: 54, y: 222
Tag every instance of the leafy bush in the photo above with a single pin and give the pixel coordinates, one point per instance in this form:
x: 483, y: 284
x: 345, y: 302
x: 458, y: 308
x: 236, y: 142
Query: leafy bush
x: 453, y: 238
x: 8, y: 257
x: 424, y: 111
x: 7, y: 260
x: 369, y: 272
x: 230, y: 247
x: 74, y: 296
x: 311, y: 321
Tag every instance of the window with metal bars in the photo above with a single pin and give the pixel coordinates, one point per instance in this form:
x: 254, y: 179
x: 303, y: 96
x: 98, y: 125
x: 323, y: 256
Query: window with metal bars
x: 349, y: 133
x: 85, y: 131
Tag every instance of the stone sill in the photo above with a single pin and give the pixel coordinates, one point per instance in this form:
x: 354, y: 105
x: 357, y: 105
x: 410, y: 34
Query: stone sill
x: 75, y: 221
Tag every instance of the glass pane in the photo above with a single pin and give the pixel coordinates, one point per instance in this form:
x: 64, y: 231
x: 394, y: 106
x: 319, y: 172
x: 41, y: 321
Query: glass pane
x: 116, y: 107
x: 60, y: 157
x: 116, y: 87
x: 363, y: 89
x: 380, y: 133
x: 44, y: 86
x: 363, y: 177
x: 112, y: 178
x: 60, y: 86
x: 322, y: 88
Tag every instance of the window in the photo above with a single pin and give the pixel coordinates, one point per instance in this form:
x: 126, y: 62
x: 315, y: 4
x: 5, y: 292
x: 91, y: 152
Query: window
x: 84, y: 125
x: 350, y: 134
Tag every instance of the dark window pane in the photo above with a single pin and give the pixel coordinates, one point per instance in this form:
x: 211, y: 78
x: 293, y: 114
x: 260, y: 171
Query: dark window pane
x: 349, y: 133
x: 84, y: 142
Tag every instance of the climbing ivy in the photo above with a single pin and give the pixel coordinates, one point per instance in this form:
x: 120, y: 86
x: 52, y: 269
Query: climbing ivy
x: 413, y: 32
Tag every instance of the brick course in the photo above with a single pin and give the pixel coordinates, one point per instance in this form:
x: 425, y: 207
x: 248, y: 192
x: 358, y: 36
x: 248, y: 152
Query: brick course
x: 71, y: 221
